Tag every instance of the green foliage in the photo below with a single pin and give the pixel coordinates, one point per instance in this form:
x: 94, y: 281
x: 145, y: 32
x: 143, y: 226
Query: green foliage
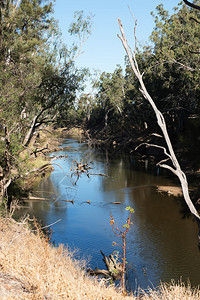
x: 128, y: 223
x: 171, y: 73
x: 175, y: 38
x: 81, y: 28
x: 3, y: 208
x: 81, y: 25
x: 38, y: 77
x: 108, y: 103
x: 129, y: 208
x: 23, y: 52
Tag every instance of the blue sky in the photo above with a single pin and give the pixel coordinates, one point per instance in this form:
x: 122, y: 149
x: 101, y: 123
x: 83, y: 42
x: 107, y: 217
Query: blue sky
x: 103, y: 50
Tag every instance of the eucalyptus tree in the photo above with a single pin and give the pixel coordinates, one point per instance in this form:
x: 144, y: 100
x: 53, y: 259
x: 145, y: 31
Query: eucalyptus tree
x: 38, y: 77
x: 171, y: 68
x: 23, y: 26
x: 176, y: 65
x: 136, y: 110
x: 110, y: 97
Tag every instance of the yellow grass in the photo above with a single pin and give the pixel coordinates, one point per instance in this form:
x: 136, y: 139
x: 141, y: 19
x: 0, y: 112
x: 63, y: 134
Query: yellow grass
x: 40, y: 271
x: 172, y: 291
x: 30, y: 268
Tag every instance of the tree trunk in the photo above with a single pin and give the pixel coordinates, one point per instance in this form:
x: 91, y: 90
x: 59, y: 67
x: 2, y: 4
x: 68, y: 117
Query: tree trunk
x: 30, y: 132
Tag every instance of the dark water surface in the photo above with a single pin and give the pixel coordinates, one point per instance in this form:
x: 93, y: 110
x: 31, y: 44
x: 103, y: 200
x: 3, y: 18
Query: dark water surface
x: 161, y: 245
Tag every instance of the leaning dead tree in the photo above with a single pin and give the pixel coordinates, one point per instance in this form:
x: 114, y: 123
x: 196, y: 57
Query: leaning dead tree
x: 168, y: 150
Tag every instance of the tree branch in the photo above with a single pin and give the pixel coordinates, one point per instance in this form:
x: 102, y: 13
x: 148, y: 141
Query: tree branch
x: 191, y: 18
x: 192, y: 4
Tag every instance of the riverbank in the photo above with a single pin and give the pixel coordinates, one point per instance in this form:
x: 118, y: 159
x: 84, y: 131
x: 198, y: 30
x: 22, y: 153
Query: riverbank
x: 35, y: 161
x: 31, y: 268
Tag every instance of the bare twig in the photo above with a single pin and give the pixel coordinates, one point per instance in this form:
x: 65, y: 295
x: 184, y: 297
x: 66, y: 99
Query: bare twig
x: 34, y: 230
x: 156, y: 146
x: 194, y: 52
x: 181, y: 64
x: 100, y: 174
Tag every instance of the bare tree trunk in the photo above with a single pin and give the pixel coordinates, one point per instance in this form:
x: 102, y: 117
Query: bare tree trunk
x: 169, y: 152
x: 4, y: 184
x: 5, y: 172
x: 30, y: 132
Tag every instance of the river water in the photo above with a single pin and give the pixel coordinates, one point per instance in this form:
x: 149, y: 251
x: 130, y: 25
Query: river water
x: 161, y: 244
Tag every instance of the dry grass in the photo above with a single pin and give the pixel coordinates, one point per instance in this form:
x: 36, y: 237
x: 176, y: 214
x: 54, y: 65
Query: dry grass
x: 172, y: 291
x: 30, y: 268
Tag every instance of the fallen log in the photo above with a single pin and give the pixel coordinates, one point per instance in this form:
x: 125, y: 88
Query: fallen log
x: 32, y: 198
x: 97, y: 272
x: 114, y: 268
x: 112, y: 265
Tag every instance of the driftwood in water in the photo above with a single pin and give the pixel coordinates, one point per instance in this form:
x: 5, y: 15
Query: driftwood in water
x: 82, y: 168
x: 71, y: 201
x: 114, y: 268
x: 32, y: 198
x: 96, y: 272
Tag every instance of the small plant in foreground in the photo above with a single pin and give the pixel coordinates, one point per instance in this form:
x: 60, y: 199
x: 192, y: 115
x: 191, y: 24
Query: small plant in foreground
x: 122, y: 234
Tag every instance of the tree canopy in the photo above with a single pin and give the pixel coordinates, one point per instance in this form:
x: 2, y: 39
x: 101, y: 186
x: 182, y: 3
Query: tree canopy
x: 171, y: 75
x: 38, y: 75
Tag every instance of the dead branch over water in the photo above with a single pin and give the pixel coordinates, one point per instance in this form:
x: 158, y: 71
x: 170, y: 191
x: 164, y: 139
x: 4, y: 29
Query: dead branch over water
x: 168, y: 151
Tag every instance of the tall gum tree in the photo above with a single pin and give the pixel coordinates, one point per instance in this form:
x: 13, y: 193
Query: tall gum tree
x: 38, y: 77
x: 172, y: 71
x: 110, y: 97
x: 23, y: 25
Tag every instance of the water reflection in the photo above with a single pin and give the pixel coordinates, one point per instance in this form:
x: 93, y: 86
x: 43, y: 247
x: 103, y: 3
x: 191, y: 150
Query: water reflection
x: 161, y: 245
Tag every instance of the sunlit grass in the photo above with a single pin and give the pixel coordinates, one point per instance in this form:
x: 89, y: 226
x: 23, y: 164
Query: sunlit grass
x: 172, y: 291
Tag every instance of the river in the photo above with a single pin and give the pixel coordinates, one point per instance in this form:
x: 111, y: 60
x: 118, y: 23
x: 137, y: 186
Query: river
x: 161, y: 244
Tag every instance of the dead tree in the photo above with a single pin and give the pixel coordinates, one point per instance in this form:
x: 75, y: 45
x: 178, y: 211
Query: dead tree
x: 168, y: 150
